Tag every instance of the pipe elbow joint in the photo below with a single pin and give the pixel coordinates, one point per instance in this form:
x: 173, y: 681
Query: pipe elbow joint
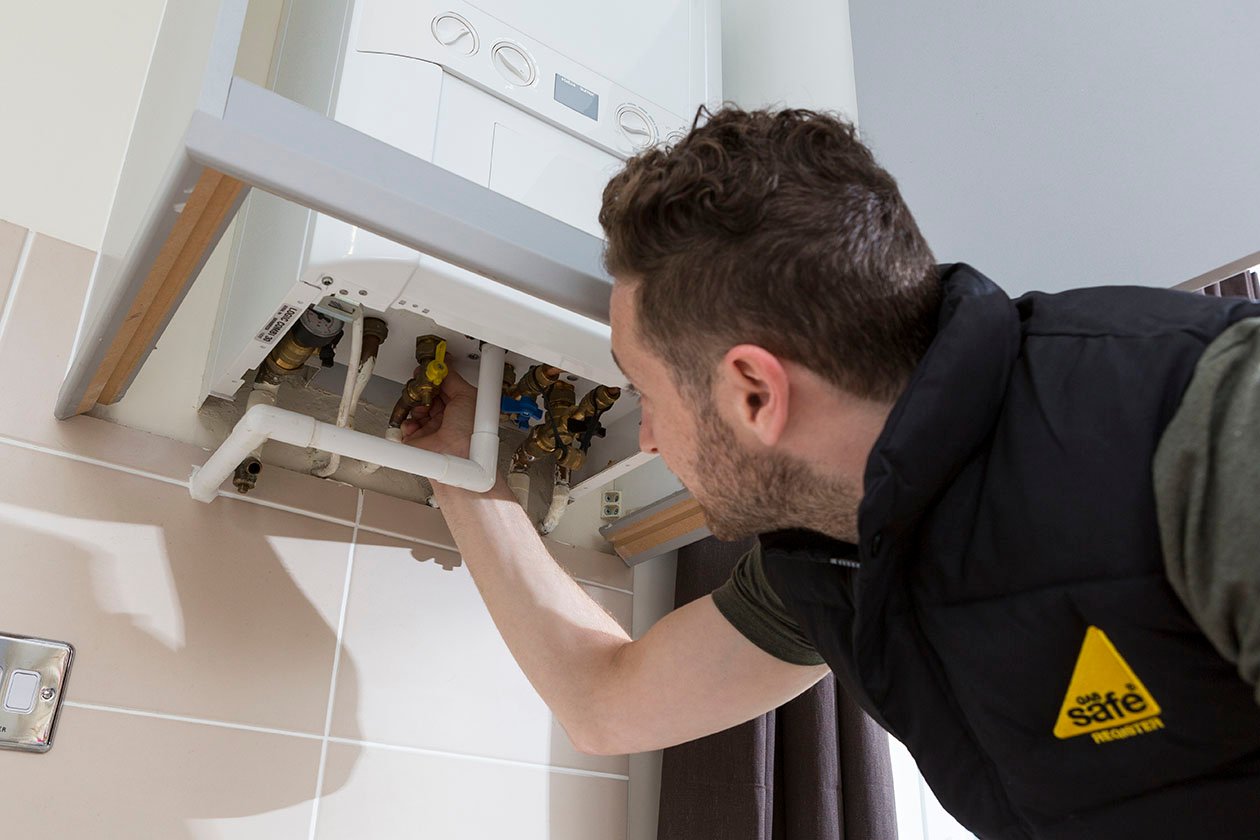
x: 259, y: 418
x: 482, y: 481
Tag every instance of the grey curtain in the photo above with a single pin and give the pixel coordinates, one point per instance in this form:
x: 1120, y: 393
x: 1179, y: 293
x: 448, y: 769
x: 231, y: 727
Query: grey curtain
x: 816, y: 768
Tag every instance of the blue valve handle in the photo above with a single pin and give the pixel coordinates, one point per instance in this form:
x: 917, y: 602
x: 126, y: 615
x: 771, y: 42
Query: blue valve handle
x: 523, y: 409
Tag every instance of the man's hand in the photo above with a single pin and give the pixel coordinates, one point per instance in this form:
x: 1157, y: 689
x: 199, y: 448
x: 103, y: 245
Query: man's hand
x: 446, y: 426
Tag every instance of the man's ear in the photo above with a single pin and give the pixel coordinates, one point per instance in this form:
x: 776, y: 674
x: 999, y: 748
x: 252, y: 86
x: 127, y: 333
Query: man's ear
x: 752, y: 389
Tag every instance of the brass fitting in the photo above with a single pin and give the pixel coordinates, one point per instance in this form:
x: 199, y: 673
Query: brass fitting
x: 567, y: 429
x: 595, y: 403
x: 312, y: 331
x: 431, y: 357
x: 375, y: 331
x: 552, y: 437
x: 571, y: 458
x: 558, y: 400
x: 543, y: 442
x: 521, y: 460
x: 246, y: 474
x: 535, y: 381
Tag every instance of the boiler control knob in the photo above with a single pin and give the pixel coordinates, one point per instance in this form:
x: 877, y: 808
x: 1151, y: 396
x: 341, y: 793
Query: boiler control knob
x: 453, y: 31
x: 514, y: 64
x: 636, y: 126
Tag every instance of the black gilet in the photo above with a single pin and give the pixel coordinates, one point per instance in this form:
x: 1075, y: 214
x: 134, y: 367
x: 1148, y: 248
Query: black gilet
x: 1008, y: 517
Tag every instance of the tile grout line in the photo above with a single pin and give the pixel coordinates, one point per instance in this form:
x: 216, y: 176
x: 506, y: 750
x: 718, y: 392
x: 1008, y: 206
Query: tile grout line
x: 85, y: 459
x: 281, y: 506
x: 598, y: 585
x: 351, y: 742
x: 483, y: 759
x: 166, y: 479
x: 372, y: 529
x: 28, y: 242
x: 430, y: 544
x: 332, y: 683
x: 244, y: 727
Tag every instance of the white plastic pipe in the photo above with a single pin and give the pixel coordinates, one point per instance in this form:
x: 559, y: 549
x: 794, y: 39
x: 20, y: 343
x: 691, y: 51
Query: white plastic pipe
x: 263, y: 393
x: 267, y: 422
x: 360, y: 384
x: 345, y: 410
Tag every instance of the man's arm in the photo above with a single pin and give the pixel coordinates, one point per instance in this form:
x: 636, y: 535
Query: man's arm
x: 691, y: 675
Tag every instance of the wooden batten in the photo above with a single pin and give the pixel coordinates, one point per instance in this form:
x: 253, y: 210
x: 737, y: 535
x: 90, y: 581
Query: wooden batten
x: 668, y: 524
x: 196, y: 231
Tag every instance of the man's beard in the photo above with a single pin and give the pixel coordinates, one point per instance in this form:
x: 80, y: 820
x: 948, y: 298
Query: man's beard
x: 744, y: 493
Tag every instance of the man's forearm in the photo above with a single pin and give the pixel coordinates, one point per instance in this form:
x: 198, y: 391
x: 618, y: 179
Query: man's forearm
x: 564, y: 642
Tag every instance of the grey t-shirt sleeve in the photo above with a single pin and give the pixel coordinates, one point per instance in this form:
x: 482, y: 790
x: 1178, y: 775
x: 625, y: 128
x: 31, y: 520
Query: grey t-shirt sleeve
x: 1207, y: 483
x: 751, y: 605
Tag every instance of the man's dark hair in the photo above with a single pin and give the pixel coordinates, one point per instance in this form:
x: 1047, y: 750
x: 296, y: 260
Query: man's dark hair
x: 775, y: 228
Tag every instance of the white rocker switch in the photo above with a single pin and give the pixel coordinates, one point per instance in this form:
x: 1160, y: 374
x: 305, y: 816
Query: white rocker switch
x: 20, y: 697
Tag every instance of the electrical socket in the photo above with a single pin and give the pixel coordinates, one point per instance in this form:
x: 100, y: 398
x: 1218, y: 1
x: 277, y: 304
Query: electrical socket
x: 610, y: 505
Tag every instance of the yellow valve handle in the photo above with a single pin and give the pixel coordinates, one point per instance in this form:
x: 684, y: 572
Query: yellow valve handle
x: 437, y: 369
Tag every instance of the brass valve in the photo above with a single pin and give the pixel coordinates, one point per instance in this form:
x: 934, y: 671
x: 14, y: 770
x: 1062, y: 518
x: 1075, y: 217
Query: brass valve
x: 421, y: 390
x: 431, y: 355
x: 553, y: 436
x: 567, y: 428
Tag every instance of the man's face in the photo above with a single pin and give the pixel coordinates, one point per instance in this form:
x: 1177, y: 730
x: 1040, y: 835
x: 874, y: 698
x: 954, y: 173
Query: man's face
x: 743, y: 490
x: 667, y: 422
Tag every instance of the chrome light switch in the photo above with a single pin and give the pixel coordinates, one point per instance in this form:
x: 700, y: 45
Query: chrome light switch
x: 32, y: 681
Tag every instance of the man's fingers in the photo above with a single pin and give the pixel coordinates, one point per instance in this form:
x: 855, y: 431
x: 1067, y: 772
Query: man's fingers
x: 452, y: 386
x: 455, y: 385
x: 424, y: 415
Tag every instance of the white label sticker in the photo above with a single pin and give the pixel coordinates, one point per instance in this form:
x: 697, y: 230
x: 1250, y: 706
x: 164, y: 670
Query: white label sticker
x: 277, y: 325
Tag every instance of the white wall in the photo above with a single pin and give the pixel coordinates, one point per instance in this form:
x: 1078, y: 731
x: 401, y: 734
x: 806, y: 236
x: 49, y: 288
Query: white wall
x: 1072, y: 143
x: 796, y: 53
x: 71, y: 74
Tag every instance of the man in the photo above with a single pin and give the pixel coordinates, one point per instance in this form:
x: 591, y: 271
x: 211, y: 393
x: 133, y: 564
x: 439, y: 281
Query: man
x: 1021, y: 533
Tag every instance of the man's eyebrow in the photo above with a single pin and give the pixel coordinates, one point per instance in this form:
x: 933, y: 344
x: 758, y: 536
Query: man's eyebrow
x: 629, y: 383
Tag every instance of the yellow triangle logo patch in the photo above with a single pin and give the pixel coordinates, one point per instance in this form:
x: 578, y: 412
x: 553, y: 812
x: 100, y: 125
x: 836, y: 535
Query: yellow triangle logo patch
x: 1104, y: 697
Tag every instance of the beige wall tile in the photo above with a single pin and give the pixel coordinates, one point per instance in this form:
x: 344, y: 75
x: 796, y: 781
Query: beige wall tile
x: 34, y: 351
x: 113, y: 775
x: 420, y: 522
x: 224, y: 611
x: 11, y: 239
x: 390, y: 794
x: 408, y: 519
x: 617, y: 604
x: 608, y: 569
x: 432, y: 670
